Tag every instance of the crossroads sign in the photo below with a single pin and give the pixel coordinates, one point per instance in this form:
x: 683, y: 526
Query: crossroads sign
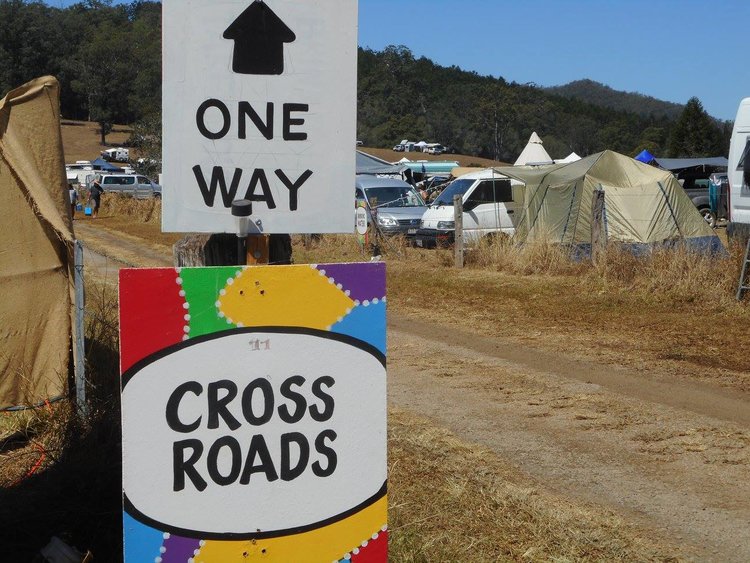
x: 259, y: 103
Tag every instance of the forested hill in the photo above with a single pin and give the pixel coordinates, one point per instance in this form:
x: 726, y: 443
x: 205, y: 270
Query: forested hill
x: 107, y: 58
x: 602, y: 95
x: 403, y: 97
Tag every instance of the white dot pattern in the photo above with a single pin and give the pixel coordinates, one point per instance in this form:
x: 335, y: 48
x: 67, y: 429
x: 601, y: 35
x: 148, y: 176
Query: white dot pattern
x: 355, y: 550
x: 186, y: 306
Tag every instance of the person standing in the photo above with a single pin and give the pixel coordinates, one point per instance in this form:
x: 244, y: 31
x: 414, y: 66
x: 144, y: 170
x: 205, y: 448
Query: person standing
x: 95, y: 198
x: 73, y: 200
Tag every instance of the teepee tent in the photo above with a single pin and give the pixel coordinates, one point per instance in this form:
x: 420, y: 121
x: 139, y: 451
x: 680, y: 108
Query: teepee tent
x: 572, y: 157
x: 642, y: 204
x: 533, y: 153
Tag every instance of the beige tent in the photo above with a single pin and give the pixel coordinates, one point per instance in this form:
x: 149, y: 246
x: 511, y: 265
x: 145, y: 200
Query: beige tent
x: 643, y: 205
x: 533, y: 153
x: 36, y: 248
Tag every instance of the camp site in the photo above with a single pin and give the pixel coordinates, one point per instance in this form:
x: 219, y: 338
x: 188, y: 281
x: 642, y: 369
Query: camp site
x: 358, y: 281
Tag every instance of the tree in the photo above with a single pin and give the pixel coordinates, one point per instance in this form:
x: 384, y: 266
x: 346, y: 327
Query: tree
x: 31, y: 43
x: 106, y: 73
x: 695, y: 134
x: 146, y: 136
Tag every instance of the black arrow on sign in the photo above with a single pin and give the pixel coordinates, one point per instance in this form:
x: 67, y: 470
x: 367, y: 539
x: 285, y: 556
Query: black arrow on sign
x: 259, y: 36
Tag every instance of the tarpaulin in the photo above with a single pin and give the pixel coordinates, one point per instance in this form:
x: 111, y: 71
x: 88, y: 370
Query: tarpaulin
x: 36, y: 248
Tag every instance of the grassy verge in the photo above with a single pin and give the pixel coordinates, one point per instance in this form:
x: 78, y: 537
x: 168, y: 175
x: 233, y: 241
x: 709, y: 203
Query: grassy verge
x: 60, y: 470
x: 673, y: 309
x: 478, y: 508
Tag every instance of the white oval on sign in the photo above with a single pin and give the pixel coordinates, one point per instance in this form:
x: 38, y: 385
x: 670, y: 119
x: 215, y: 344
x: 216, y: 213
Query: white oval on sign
x: 215, y: 431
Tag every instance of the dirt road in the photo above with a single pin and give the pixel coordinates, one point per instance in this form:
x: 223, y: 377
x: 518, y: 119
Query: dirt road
x: 654, y: 454
x: 669, y: 455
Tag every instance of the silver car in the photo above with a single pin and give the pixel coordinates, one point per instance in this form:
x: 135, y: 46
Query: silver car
x: 130, y: 184
x: 396, y: 205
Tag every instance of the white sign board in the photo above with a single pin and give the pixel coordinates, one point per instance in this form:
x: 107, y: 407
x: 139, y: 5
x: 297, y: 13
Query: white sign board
x: 259, y: 103
x: 278, y: 438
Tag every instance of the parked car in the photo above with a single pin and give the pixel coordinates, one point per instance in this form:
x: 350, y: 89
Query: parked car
x: 490, y: 201
x: 399, y: 148
x: 696, y: 187
x: 130, y: 184
x: 434, y: 148
x: 395, y: 205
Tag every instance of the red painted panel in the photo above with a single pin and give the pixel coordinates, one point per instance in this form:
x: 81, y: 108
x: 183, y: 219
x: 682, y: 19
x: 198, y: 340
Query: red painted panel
x: 152, y: 313
x: 376, y: 551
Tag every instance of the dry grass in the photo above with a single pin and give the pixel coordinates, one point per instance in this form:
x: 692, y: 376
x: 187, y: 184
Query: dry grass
x: 60, y: 471
x: 136, y: 211
x: 139, y: 218
x: 477, y: 508
x: 665, y: 273
x: 81, y: 140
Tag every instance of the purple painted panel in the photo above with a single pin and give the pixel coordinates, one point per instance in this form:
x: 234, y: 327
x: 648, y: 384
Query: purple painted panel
x: 363, y: 281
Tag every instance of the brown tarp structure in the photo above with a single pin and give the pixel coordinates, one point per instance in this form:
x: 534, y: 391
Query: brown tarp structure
x: 36, y: 248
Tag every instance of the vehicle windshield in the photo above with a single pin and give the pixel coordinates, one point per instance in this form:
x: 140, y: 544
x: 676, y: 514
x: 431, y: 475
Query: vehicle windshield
x: 393, y: 196
x: 456, y: 187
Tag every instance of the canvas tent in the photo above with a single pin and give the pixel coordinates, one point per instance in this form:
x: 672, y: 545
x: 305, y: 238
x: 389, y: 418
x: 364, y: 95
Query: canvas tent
x: 642, y: 204
x: 533, y: 153
x: 36, y: 234
x: 368, y: 164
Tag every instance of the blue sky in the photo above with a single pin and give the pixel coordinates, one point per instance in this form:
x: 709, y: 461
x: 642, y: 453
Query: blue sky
x: 668, y: 49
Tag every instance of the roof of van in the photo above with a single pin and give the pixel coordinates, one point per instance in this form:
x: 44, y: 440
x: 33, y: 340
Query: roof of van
x: 370, y: 181
x: 742, y: 121
x: 480, y: 174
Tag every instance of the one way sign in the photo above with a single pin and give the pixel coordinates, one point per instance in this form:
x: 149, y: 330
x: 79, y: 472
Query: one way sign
x: 259, y: 103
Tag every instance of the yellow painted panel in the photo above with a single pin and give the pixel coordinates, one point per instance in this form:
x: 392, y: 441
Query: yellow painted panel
x: 292, y: 296
x: 324, y: 545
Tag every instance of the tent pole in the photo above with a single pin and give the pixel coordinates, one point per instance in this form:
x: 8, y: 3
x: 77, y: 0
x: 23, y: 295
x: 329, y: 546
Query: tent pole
x: 79, y: 357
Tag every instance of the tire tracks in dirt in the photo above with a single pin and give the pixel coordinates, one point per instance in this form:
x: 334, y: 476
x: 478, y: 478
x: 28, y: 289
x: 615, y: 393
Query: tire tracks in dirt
x: 695, y: 396
x: 661, y: 462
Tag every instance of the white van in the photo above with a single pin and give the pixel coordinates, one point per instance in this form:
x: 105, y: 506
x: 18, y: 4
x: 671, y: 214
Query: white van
x: 490, y: 202
x: 80, y: 172
x: 129, y: 184
x: 739, y: 173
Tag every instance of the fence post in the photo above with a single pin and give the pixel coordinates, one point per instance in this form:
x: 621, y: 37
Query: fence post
x: 458, y: 219
x: 598, y: 232
x: 78, y: 329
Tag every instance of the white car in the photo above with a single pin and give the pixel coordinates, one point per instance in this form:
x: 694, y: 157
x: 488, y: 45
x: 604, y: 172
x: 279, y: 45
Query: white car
x: 490, y: 201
